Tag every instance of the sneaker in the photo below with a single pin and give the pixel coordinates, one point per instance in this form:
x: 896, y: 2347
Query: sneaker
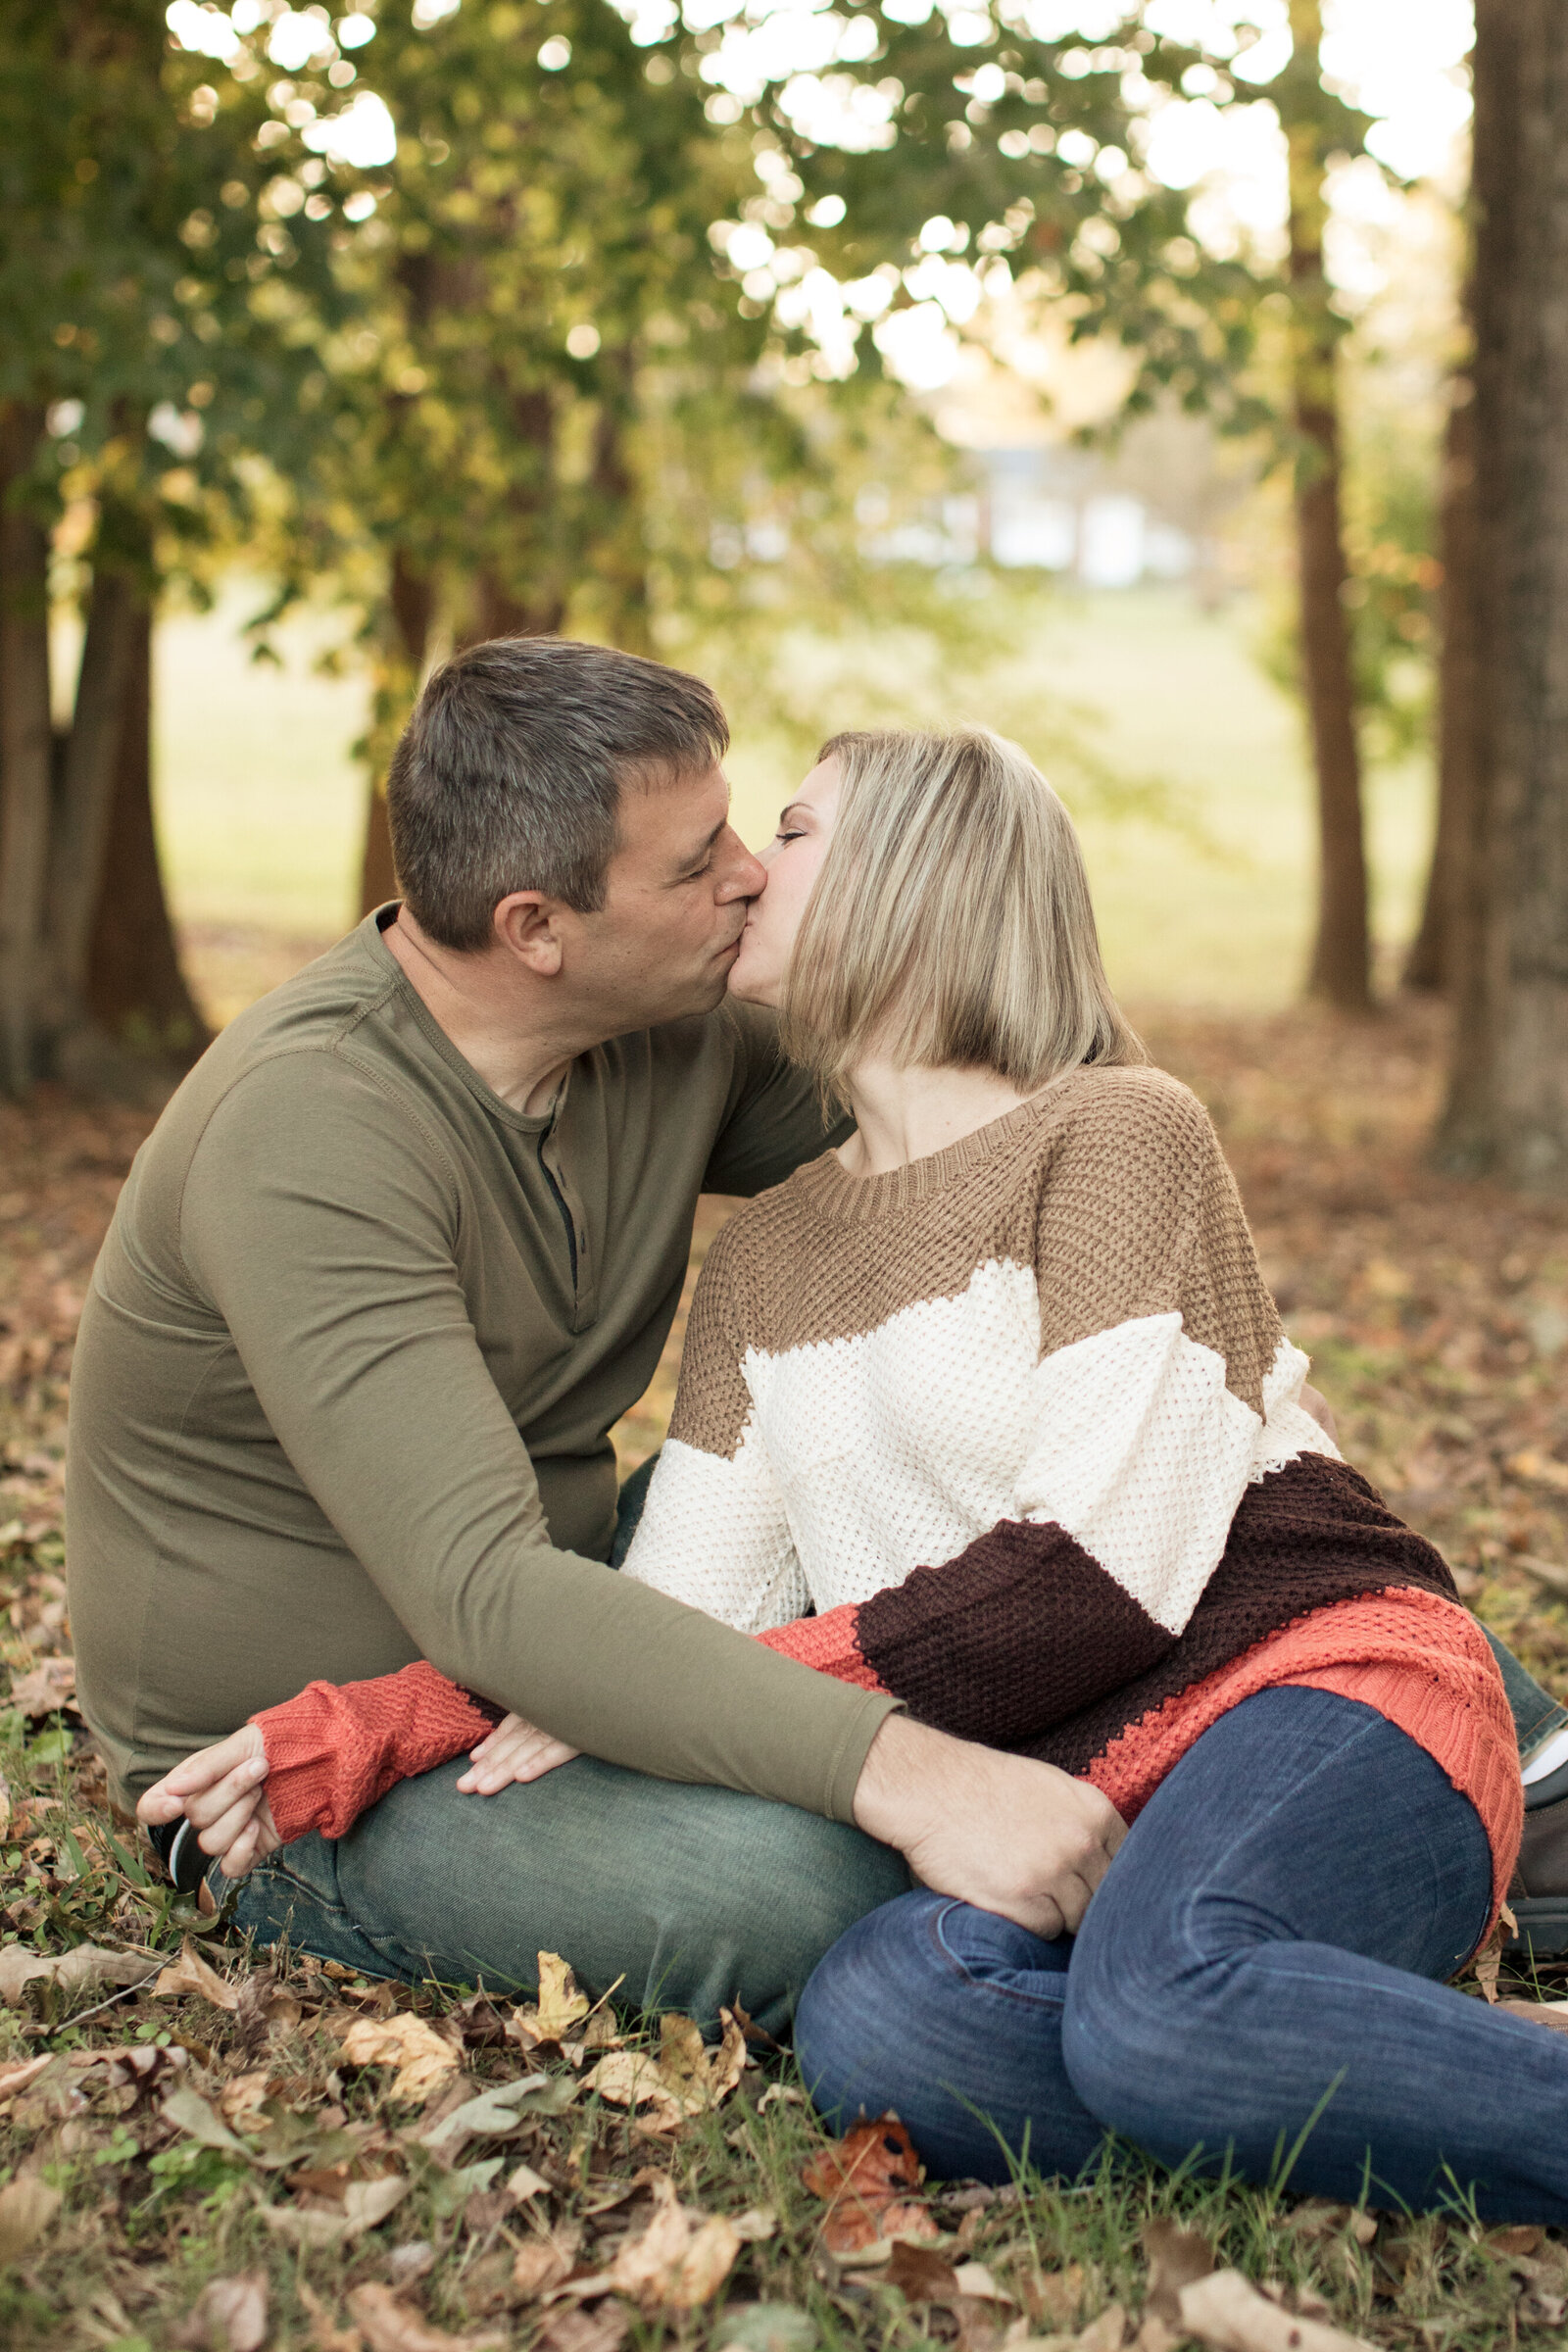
x: 1539, y: 1894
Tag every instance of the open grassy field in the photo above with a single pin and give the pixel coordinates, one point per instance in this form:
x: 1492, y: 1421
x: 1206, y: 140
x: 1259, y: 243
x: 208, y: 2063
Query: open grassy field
x: 261, y: 799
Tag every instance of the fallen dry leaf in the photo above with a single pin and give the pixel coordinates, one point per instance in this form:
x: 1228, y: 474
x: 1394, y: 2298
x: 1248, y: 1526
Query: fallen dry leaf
x: 1539, y: 1470
x: 560, y: 2006
x: 1489, y: 1960
x: 681, y: 2080
x: 1176, y: 2257
x: 1540, y: 2013
x: 543, y: 2262
x: 1056, y: 2296
x: 241, y: 2101
x: 325, y: 2334
x: 492, y: 2115
x: 389, y: 2325
x: 1105, y: 2334
x: 50, y: 1686
x: 920, y: 2275
x: 17, y: 2078
x: 679, y: 2261
x: 422, y: 2059
x: 5, y: 1806
x: 88, y: 1965
x: 524, y: 2184
x: 863, y: 2175
x: 190, y: 1974
x: 602, y: 2329
x: 28, y: 2206
x: 1225, y: 2311
x: 229, y: 2315
x: 1522, y: 2239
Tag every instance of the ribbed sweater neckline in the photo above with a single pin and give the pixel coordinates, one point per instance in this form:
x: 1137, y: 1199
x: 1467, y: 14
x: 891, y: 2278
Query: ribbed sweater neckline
x: 864, y: 1199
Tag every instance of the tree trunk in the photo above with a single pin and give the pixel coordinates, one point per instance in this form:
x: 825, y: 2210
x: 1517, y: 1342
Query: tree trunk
x: 135, y: 988
x: 1508, y: 1105
x: 1341, y: 966
x: 115, y: 615
x: 25, y: 752
x: 622, y: 560
x: 411, y: 600
x: 1431, y: 962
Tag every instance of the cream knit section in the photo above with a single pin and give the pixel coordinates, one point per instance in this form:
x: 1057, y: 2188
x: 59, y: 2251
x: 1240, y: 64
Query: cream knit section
x: 864, y: 1458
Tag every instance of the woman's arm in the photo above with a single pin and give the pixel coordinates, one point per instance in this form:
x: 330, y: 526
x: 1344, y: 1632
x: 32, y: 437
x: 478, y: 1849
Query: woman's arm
x: 322, y: 1759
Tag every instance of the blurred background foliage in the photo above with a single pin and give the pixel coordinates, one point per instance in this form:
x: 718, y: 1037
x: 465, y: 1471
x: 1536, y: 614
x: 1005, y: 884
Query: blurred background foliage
x: 366, y: 334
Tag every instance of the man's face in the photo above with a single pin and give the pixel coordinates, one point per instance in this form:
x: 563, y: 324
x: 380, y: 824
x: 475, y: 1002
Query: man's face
x: 662, y: 946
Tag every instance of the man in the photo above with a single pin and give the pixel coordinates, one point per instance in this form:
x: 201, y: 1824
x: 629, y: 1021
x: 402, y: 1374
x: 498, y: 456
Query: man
x: 401, y: 1251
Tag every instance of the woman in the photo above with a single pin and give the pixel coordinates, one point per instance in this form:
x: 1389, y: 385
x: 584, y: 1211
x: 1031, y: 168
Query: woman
x: 997, y: 1394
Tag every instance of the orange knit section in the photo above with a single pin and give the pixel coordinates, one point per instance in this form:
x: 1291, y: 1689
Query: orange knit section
x: 827, y: 1643
x: 1420, y: 1661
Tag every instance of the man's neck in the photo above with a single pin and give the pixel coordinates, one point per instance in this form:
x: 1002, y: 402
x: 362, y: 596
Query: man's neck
x: 478, y: 1003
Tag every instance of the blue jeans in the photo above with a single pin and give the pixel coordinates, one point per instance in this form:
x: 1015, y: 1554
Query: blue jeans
x: 1258, y: 1977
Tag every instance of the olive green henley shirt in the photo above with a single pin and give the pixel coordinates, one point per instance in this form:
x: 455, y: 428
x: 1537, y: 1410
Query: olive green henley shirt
x: 346, y: 1375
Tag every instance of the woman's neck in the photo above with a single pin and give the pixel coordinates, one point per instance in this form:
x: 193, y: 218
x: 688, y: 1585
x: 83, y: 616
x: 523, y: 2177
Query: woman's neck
x: 904, y: 1114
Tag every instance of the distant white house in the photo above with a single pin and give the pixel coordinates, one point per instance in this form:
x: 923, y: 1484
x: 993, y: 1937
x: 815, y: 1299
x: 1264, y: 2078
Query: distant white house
x: 1051, y: 510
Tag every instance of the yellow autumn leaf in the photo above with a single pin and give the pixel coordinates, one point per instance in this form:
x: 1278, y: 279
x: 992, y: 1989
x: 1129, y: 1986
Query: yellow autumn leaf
x: 560, y: 2006
x: 682, y: 2079
x: 422, y: 2059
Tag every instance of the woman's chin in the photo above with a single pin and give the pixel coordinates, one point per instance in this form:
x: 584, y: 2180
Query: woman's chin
x: 751, y: 986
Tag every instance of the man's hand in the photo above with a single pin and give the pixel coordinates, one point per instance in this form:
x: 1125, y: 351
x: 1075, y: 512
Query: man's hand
x: 514, y: 1751
x: 1321, y: 1411
x: 220, y: 1790
x: 1004, y: 1833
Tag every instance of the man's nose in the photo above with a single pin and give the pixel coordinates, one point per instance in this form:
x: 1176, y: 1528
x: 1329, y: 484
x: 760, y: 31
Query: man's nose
x: 744, y: 875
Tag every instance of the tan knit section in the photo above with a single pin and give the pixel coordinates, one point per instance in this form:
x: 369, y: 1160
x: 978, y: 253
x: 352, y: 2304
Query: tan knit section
x: 1111, y: 1185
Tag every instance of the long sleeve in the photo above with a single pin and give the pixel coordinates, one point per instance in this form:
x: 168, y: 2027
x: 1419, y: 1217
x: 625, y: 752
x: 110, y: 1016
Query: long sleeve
x: 337, y: 1747
x: 714, y: 1530
x: 324, y: 1232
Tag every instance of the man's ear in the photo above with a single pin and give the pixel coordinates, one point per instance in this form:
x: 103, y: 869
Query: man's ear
x: 529, y: 926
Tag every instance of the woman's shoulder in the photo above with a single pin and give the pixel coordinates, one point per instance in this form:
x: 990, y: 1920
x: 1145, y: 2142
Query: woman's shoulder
x: 1134, y: 1111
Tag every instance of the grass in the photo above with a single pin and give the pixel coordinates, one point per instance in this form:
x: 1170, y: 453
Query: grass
x: 1434, y: 1314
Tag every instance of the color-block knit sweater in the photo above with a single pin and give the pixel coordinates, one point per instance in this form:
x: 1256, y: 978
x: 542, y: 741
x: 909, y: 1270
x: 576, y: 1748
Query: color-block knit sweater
x: 1019, y: 1424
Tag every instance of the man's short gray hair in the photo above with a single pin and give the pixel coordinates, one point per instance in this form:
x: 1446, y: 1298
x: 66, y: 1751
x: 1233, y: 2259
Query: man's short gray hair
x: 509, y: 775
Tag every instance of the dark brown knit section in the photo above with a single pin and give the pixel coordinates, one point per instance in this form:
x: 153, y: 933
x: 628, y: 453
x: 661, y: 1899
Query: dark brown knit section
x: 1019, y: 1630
x: 1312, y: 1534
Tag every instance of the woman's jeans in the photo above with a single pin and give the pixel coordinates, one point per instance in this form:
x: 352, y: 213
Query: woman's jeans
x: 1257, y: 1982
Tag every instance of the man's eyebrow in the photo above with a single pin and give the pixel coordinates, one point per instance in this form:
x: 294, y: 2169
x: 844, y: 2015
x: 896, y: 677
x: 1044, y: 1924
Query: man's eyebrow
x: 705, y: 845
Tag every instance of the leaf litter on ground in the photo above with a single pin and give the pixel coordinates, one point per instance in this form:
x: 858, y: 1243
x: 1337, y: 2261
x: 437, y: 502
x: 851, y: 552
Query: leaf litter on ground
x: 1433, y: 1314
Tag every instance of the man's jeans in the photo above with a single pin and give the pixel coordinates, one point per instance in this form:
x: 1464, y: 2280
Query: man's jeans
x: 693, y: 1896
x: 1261, y: 1966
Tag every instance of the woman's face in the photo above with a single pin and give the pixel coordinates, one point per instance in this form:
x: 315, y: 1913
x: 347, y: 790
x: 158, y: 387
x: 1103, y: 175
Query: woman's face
x: 791, y: 859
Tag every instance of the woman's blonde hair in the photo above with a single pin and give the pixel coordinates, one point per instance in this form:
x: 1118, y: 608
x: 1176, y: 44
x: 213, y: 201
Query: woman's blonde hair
x: 950, y: 923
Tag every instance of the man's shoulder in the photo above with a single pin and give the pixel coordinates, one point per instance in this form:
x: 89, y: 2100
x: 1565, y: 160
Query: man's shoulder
x: 294, y: 1061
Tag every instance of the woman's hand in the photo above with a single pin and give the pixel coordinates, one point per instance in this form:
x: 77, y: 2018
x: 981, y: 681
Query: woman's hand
x: 514, y: 1751
x: 220, y: 1790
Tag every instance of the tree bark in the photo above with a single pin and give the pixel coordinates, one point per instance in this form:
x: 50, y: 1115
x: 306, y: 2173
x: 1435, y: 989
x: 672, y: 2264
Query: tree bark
x: 26, y: 750
x: 1509, y: 1102
x: 114, y: 615
x: 1430, y: 961
x: 135, y: 988
x: 1341, y: 966
x: 411, y: 602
